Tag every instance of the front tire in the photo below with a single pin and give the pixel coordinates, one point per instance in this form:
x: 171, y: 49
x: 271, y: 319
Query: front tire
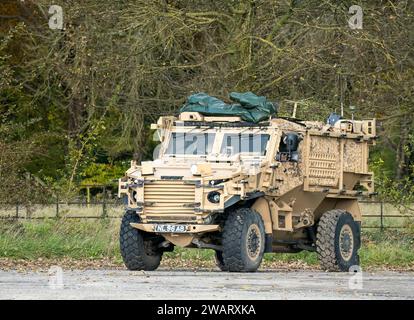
x: 338, y: 241
x: 137, y: 250
x: 243, y: 241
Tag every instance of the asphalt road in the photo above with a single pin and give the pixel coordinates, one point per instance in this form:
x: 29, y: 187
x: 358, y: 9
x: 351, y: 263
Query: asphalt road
x: 120, y: 284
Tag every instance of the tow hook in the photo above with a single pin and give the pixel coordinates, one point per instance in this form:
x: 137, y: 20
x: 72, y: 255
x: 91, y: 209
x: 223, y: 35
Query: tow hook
x: 202, y: 245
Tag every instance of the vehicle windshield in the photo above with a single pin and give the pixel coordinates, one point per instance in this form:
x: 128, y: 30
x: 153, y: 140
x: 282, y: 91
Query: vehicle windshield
x: 227, y: 144
x: 250, y: 144
x: 188, y: 143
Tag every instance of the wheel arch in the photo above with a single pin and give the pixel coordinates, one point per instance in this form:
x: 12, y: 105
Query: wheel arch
x: 261, y: 205
x: 349, y: 205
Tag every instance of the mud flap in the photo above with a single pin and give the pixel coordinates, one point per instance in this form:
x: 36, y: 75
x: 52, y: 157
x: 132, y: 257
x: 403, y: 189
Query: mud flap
x: 358, y: 224
x: 268, y: 243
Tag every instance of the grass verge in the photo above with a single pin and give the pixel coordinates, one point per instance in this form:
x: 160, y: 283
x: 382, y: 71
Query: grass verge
x: 87, y: 240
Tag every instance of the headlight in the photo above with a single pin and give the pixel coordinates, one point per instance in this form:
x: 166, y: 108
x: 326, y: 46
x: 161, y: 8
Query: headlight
x: 214, y: 197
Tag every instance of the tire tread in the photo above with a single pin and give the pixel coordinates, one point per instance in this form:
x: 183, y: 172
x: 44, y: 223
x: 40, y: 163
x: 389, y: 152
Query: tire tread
x: 132, y: 246
x: 232, y: 244
x: 325, y: 239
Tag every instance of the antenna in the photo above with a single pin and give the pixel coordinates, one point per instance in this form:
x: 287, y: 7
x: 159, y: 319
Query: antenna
x: 352, y: 108
x: 295, y: 106
x: 341, y: 96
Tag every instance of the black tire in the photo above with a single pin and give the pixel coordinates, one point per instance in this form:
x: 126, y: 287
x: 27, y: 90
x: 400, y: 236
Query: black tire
x: 218, y: 259
x: 338, y: 240
x: 243, y: 241
x: 137, y: 252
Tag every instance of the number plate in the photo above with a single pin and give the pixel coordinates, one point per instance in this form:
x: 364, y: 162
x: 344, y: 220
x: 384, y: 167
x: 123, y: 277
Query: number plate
x: 173, y: 228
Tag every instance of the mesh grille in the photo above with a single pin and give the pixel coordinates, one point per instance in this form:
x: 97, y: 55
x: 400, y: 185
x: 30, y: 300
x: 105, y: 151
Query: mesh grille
x: 165, y: 201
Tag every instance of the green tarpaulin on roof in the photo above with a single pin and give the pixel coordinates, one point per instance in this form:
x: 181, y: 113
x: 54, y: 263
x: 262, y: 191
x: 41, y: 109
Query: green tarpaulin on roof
x: 247, y: 105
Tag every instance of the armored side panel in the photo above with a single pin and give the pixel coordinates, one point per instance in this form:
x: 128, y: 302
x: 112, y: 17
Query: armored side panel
x: 337, y: 162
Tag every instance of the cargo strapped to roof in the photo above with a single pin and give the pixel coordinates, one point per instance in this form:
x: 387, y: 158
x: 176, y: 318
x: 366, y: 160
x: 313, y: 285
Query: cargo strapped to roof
x: 247, y: 105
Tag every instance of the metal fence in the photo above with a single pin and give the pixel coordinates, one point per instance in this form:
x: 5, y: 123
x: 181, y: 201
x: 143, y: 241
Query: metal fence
x: 376, y: 214
x: 383, y: 217
x: 59, y: 209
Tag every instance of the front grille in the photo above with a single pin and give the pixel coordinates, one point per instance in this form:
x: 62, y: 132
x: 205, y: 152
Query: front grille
x: 182, y: 218
x: 172, y: 177
x: 169, y: 201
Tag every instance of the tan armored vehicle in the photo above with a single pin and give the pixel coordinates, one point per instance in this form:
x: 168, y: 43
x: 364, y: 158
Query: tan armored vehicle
x: 244, y: 189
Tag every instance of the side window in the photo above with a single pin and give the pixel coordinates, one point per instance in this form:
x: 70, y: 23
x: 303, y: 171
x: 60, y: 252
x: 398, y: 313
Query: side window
x: 288, y: 147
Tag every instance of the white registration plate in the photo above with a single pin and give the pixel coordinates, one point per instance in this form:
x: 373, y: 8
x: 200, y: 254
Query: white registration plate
x: 173, y: 228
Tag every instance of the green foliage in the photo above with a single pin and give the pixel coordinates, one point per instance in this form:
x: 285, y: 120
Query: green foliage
x: 81, y: 152
x: 87, y: 94
x: 81, y: 239
x: 101, y: 173
x: 382, y: 162
x: 388, y: 248
x: 400, y: 192
x: 53, y: 239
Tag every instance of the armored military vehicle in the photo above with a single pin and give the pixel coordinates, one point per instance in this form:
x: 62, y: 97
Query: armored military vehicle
x: 244, y: 188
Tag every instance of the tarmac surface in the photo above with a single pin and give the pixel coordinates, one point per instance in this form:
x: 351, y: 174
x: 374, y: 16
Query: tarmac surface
x: 202, y: 285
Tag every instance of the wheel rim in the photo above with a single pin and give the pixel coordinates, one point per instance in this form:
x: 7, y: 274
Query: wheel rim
x: 253, y: 242
x: 346, y: 242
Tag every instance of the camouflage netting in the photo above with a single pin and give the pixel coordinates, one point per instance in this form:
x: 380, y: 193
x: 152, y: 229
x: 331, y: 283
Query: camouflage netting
x: 247, y: 105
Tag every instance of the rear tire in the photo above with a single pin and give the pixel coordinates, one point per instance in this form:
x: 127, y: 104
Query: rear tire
x: 338, y: 241
x: 138, y: 253
x: 243, y: 241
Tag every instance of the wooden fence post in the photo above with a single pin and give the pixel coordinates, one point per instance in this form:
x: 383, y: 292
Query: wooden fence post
x: 104, y: 203
x: 57, y: 206
x: 382, y: 216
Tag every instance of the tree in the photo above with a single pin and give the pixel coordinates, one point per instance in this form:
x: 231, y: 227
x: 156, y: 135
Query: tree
x: 119, y: 65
